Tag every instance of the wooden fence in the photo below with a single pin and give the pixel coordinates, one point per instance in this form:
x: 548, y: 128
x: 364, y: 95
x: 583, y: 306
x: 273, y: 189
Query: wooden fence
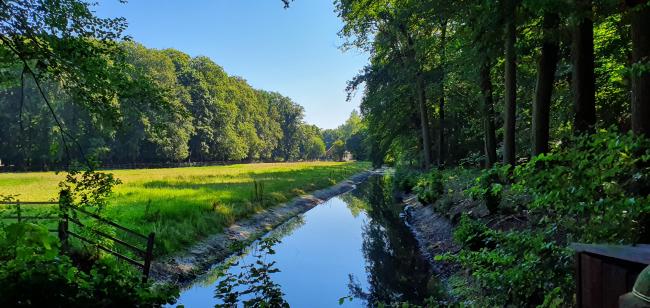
x: 66, y: 215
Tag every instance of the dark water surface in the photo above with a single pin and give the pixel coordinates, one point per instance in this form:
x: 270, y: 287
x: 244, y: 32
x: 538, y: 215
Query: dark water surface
x: 353, y: 245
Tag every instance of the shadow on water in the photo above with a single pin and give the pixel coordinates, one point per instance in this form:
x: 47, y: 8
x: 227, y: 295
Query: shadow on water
x: 354, y: 248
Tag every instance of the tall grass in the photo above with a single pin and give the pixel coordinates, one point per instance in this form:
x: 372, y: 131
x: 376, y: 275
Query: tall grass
x: 183, y: 205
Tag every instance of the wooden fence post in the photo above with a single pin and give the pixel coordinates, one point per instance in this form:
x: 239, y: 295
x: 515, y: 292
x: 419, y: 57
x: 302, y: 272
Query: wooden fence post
x: 64, y: 199
x: 18, y: 212
x: 148, y: 256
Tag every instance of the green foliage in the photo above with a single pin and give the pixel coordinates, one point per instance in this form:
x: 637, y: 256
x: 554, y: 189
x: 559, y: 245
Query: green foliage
x: 31, y: 261
x: 489, y: 186
x: 519, y: 268
x: 311, y: 144
x: 596, y: 189
x: 429, y: 187
x: 337, y: 150
x: 593, y: 189
x: 353, y: 133
x: 87, y: 188
x: 404, y: 179
x: 472, y: 234
x: 65, y: 41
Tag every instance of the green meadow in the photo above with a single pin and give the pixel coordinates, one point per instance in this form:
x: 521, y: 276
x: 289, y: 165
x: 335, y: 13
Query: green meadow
x: 183, y: 205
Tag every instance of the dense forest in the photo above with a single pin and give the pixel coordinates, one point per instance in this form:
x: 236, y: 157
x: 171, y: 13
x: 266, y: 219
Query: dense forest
x: 496, y: 80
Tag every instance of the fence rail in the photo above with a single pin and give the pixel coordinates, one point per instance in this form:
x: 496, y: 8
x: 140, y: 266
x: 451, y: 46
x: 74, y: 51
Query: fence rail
x: 65, y: 218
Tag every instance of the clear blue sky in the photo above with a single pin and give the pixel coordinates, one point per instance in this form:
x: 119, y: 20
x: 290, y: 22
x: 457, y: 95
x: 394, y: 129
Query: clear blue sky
x: 294, y: 51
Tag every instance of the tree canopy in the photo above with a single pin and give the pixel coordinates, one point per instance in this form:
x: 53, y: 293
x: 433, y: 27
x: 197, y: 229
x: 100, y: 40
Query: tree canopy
x: 493, y: 78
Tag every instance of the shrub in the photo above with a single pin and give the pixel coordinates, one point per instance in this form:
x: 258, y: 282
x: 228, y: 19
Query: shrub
x: 489, y: 186
x: 596, y: 190
x: 516, y: 268
x: 429, y: 187
x: 33, y: 273
x: 472, y: 234
x: 405, y: 179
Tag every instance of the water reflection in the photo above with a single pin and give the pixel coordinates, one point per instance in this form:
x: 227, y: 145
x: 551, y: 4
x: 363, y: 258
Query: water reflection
x: 355, y: 245
x: 396, y: 272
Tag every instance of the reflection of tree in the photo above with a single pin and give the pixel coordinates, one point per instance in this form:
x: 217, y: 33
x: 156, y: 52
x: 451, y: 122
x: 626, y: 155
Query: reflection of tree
x: 355, y: 204
x: 287, y: 228
x: 396, y: 270
x: 253, y: 286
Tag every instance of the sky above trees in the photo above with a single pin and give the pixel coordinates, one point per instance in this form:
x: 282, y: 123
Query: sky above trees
x: 294, y: 51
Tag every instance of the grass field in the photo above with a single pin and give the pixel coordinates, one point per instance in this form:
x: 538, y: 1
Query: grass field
x: 183, y: 205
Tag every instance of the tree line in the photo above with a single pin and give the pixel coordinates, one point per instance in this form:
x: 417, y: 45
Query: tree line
x: 477, y: 80
x: 175, y: 108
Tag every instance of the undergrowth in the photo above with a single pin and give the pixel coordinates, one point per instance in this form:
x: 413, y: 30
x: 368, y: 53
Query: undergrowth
x: 593, y: 189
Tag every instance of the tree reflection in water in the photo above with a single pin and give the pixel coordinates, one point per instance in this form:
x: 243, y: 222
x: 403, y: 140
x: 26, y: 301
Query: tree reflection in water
x: 397, y: 272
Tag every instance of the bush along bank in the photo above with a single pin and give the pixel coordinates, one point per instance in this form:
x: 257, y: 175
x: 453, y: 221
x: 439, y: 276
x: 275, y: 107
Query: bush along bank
x: 35, y: 273
x: 513, y: 226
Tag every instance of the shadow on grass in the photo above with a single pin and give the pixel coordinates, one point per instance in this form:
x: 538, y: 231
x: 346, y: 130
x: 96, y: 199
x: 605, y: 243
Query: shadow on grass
x: 303, y: 176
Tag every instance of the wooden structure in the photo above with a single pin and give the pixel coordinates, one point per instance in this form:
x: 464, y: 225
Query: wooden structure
x: 605, y: 272
x: 140, y: 257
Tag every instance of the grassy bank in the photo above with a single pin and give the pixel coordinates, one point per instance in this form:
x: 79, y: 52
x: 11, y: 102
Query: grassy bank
x: 183, y: 205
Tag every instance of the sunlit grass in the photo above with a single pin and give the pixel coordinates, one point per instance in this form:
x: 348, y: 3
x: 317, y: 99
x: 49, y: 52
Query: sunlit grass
x: 183, y: 205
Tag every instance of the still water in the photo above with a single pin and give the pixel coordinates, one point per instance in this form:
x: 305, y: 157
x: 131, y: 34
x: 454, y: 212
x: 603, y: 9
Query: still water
x: 354, y: 246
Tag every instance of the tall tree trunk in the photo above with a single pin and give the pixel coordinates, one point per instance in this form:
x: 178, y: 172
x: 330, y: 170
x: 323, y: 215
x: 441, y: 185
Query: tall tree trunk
x: 441, y: 100
x: 410, y: 56
x: 488, y: 116
x: 424, y: 120
x: 510, y: 83
x: 640, y: 17
x: 584, y: 80
x: 546, y: 68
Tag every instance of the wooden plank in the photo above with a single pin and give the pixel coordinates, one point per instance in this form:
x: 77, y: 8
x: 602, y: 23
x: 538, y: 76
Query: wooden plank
x: 591, y: 280
x: 614, y: 283
x: 637, y: 254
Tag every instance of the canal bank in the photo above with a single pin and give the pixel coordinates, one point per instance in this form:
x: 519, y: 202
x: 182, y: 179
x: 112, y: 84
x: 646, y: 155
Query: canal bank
x: 186, y: 266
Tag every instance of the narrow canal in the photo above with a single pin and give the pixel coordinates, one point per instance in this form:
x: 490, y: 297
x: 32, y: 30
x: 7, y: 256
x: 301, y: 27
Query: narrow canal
x: 354, y: 247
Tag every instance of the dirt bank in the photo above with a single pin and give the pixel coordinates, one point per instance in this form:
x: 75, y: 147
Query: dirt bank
x: 433, y: 233
x: 184, y: 267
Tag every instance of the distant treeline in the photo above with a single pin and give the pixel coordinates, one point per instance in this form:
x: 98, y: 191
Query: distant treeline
x: 175, y: 109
